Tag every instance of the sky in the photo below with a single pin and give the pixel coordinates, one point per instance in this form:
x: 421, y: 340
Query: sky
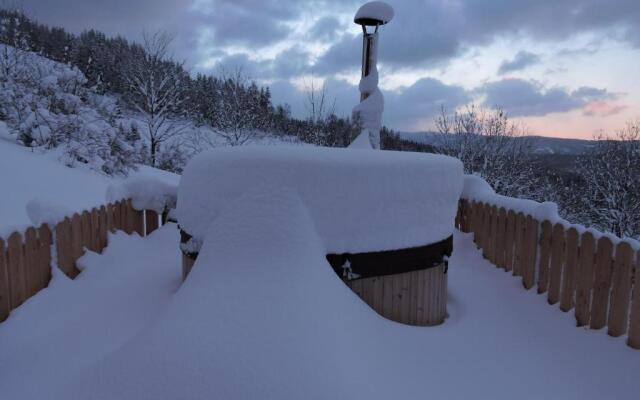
x: 564, y: 68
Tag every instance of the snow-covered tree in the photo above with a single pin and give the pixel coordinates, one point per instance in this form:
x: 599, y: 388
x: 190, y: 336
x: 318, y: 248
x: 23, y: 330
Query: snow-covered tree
x: 494, y: 147
x: 156, y: 91
x: 607, y: 191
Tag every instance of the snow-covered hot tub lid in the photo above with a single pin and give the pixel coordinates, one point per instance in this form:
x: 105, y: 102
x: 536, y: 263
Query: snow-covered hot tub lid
x: 359, y: 200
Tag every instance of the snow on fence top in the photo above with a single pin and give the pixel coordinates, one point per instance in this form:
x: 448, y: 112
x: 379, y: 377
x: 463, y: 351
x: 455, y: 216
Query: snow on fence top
x: 359, y: 200
x: 375, y: 10
x: 145, y: 192
x: 477, y: 189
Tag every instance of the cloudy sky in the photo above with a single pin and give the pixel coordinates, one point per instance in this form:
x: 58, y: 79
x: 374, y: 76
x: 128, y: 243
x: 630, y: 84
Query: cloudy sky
x: 565, y: 68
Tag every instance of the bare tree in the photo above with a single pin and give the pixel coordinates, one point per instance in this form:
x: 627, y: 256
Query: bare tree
x: 319, y: 109
x: 492, y: 146
x: 156, y: 90
x: 607, y: 193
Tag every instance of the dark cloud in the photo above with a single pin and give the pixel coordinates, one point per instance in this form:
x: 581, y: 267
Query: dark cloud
x: 525, y: 98
x: 522, y: 60
x: 327, y: 28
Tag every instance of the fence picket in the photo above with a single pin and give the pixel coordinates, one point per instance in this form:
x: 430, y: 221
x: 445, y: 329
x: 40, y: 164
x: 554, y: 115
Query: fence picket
x: 87, y: 231
x: 31, y: 270
x: 500, y: 238
x: 494, y: 236
x: 15, y: 268
x: 44, y: 255
x: 570, y: 269
x: 545, y: 257
x: 634, y: 320
x: 531, y: 245
x: 63, y: 247
x: 518, y: 255
x: 509, y: 240
x: 5, y: 303
x: 584, y: 279
x: 601, y: 283
x: 620, y: 290
x: 557, y: 261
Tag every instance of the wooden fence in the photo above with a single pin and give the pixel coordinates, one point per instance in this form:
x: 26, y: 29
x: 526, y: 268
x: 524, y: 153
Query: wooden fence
x: 25, y: 259
x: 595, y: 277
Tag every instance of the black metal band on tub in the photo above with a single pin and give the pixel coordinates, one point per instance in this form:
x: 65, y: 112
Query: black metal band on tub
x: 184, y: 238
x: 380, y: 263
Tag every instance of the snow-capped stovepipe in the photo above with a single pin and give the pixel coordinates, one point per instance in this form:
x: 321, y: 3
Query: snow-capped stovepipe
x: 369, y: 111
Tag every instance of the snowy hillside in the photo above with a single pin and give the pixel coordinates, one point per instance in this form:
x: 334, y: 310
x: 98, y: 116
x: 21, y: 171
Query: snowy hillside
x: 36, y: 179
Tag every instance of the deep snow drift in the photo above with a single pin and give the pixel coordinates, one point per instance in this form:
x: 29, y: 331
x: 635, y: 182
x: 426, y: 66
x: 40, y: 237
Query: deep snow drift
x: 225, y: 335
x: 359, y: 200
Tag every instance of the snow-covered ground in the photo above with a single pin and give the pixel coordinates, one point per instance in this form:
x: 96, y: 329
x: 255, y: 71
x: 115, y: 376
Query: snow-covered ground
x: 33, y: 176
x: 120, y: 330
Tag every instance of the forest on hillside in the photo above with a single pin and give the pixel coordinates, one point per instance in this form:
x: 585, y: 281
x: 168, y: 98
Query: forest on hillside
x: 110, y: 104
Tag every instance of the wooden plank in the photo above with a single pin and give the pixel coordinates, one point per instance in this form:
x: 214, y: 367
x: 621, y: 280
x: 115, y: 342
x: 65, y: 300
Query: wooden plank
x: 87, y: 231
x: 531, y: 245
x: 405, y: 306
x: 96, y: 242
x: 479, y: 218
x: 620, y: 290
x: 634, y: 319
x: 584, y: 279
x: 77, y: 249
x: 486, y: 231
x: 387, y: 296
x: 421, y: 296
x: 103, y: 227
x: 601, y: 283
x: 413, y: 297
x: 16, y: 272
x: 64, y: 248
x: 500, y: 238
x: 509, y: 243
x: 545, y: 257
x: 377, y: 294
x: 5, y: 294
x: 31, y: 270
x: 44, y: 256
x: 557, y: 262
x: 397, y: 297
x: 117, y: 220
x: 111, y: 217
x: 570, y: 270
x: 519, y: 248
x: 138, y: 222
x: 152, y: 221
x: 493, y: 235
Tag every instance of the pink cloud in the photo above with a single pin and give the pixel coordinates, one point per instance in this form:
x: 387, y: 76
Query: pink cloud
x: 602, y: 108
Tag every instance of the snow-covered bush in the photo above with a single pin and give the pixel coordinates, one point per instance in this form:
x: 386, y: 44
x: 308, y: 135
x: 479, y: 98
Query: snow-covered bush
x: 48, y: 105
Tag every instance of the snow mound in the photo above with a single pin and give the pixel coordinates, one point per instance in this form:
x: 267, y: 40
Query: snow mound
x: 145, y: 192
x: 410, y: 201
x: 43, y: 212
x: 261, y: 315
x: 376, y: 10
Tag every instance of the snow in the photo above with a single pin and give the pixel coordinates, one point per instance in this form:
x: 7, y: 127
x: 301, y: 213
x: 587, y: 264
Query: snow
x: 65, y: 328
x: 253, y: 321
x: 145, y: 192
x: 377, y: 10
x: 37, y: 188
x: 411, y: 202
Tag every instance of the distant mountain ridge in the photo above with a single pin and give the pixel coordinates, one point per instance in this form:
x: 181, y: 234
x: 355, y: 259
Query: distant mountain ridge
x: 541, y: 145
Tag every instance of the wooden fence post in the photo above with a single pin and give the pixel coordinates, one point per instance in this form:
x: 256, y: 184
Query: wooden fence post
x: 584, y: 279
x: 493, y: 243
x: 634, y: 320
x: 5, y: 294
x: 557, y: 261
x: 15, y: 268
x: 519, y: 234
x: 44, y: 255
x: 63, y: 247
x: 601, y: 283
x: 545, y: 257
x: 87, y: 233
x: 500, y: 238
x: 620, y: 290
x: 570, y: 270
x: 531, y: 246
x: 31, y: 270
x: 509, y: 242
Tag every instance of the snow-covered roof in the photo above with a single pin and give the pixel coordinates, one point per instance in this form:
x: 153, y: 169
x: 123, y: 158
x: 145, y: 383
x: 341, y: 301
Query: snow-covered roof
x: 359, y: 200
x: 373, y: 13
